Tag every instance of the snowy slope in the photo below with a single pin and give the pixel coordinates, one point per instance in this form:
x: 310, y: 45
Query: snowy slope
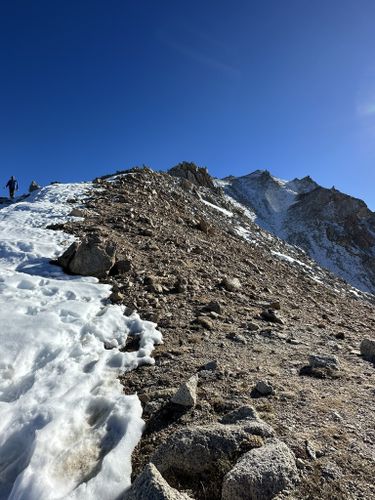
x: 336, y: 230
x: 66, y: 428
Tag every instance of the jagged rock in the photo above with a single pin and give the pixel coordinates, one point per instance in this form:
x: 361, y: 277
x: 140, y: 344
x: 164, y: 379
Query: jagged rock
x: 367, y: 349
x: 261, y: 473
x: 264, y: 388
x: 231, y: 284
x: 186, y: 394
x: 198, y: 176
x: 322, y: 361
x: 33, y: 186
x: 195, y: 450
x: 151, y: 485
x: 91, y: 257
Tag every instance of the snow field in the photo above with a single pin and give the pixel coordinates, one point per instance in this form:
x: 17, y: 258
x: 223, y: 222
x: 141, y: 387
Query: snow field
x: 66, y: 428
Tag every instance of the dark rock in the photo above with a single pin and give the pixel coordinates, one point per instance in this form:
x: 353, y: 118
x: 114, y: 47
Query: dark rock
x: 91, y: 257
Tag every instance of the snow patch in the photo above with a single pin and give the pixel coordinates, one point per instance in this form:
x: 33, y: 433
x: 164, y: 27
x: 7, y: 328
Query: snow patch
x: 66, y: 428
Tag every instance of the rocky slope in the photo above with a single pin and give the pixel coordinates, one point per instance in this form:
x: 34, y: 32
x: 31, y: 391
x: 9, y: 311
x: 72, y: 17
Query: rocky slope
x: 260, y: 389
x: 335, y: 229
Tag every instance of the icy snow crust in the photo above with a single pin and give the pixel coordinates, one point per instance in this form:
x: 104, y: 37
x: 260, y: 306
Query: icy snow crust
x: 66, y: 428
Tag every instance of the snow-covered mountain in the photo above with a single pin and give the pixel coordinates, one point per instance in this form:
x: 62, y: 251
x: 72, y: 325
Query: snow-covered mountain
x: 336, y: 230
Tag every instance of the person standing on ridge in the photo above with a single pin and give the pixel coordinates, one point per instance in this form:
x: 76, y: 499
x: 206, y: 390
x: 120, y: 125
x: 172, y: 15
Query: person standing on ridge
x: 12, y: 184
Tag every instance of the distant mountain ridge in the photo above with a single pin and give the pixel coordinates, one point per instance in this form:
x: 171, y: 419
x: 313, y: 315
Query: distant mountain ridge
x: 335, y: 229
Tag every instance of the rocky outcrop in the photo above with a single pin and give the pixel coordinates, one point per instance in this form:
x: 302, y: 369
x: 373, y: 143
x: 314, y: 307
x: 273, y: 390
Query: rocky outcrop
x: 91, y: 257
x: 198, y: 176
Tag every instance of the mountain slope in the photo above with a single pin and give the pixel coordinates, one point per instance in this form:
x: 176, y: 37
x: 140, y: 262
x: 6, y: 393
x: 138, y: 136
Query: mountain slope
x: 335, y: 229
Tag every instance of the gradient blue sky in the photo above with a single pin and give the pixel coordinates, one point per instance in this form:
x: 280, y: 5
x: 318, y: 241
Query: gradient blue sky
x: 89, y: 87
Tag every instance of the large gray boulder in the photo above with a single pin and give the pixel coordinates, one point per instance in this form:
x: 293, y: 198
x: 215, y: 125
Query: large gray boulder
x: 261, y: 473
x: 195, y: 450
x: 92, y: 257
x: 151, y: 485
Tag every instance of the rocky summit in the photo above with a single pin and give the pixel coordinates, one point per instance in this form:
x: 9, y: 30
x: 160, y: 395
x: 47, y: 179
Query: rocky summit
x: 264, y: 385
x: 336, y: 230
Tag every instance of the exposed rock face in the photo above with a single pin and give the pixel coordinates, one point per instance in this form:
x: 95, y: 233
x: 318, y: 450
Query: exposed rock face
x: 91, y: 257
x: 198, y: 176
x: 151, y: 485
x: 335, y: 229
x: 261, y: 473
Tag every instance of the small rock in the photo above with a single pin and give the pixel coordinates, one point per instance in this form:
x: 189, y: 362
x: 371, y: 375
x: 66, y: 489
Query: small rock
x: 270, y: 315
x: 186, y: 394
x: 231, y: 284
x: 213, y: 306
x: 150, y: 484
x: 205, y: 227
x: 205, y: 322
x: 261, y: 473
x: 211, y: 366
x: 243, y: 413
x: 252, y: 327
x: 367, y: 349
x: 116, y: 297
x: 121, y: 266
x: 77, y: 212
x: 264, y: 388
x: 331, y: 472
x: 322, y: 361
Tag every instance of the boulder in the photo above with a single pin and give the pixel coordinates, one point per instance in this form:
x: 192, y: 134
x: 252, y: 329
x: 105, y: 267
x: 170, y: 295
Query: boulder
x: 368, y: 349
x: 186, y: 394
x: 196, y: 450
x: 261, y: 473
x: 91, y: 257
x: 151, y: 485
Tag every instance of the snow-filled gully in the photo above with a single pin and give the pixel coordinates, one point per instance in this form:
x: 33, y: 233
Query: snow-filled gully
x: 66, y: 428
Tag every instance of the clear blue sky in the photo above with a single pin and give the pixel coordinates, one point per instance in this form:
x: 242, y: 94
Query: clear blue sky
x: 89, y: 87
